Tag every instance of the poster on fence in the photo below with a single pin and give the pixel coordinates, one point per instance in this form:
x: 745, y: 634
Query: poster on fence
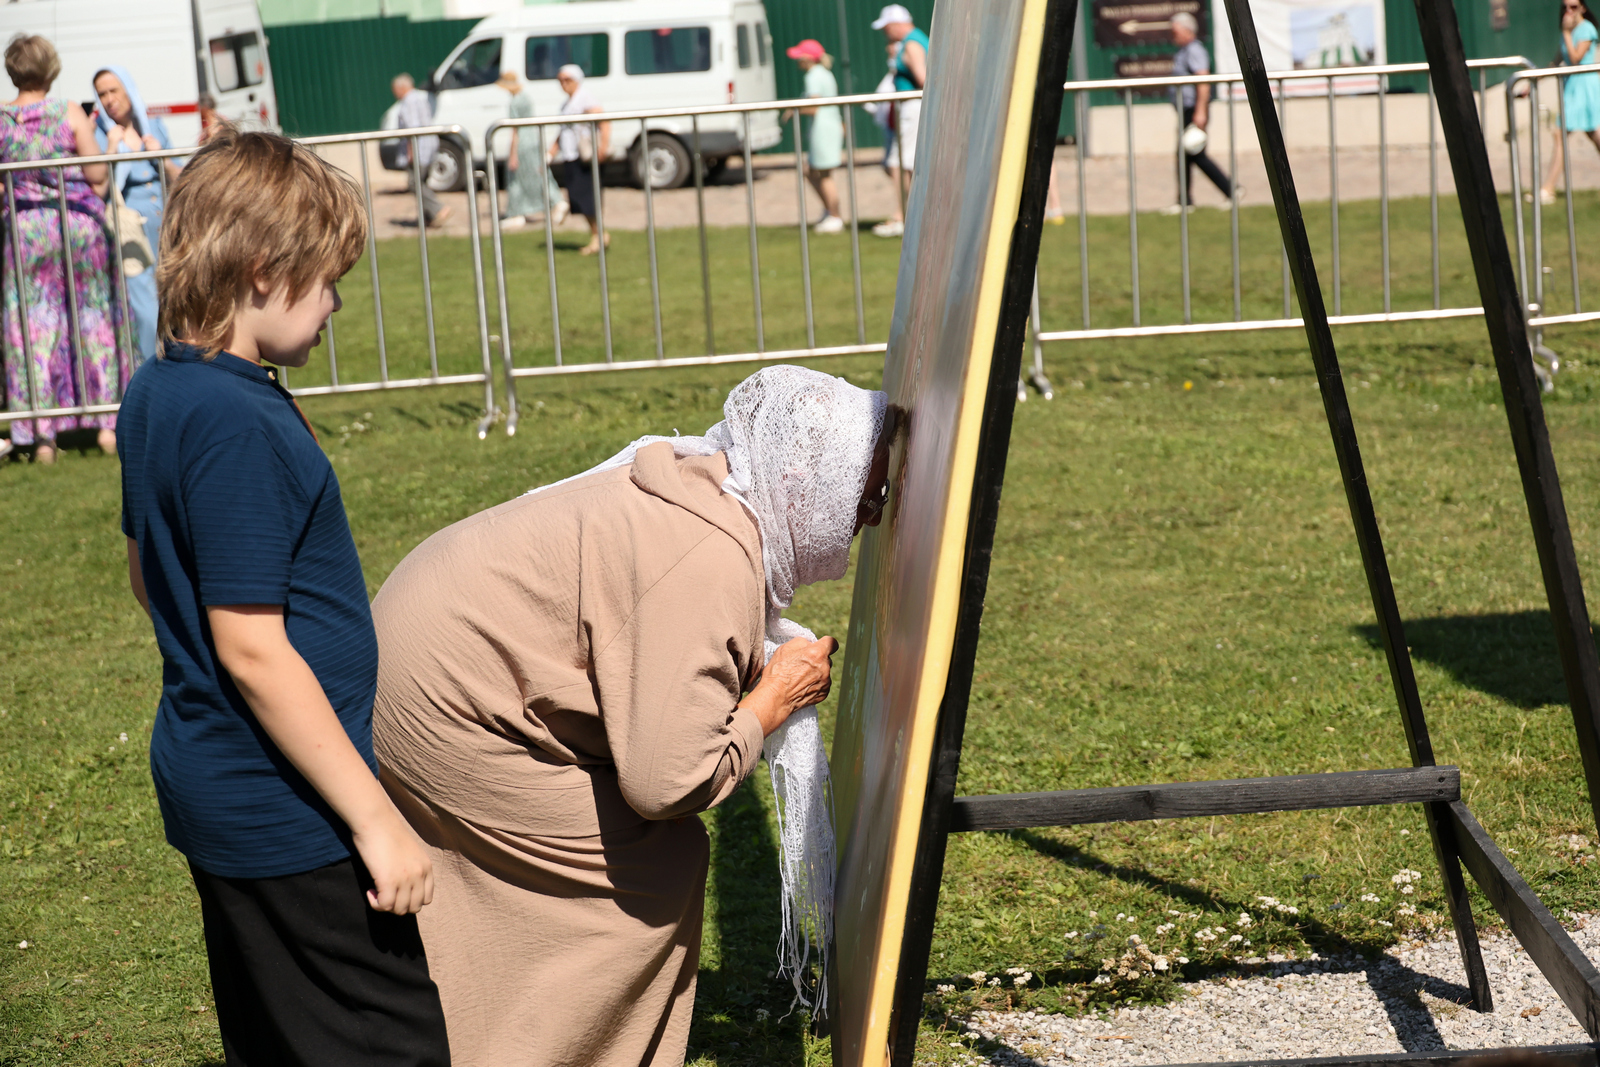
x: 1333, y: 35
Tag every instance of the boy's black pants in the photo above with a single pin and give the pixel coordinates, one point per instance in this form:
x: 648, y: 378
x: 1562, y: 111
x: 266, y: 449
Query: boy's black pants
x: 305, y: 974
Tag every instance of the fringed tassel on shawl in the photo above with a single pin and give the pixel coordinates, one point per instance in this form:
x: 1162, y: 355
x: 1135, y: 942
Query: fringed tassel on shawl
x: 806, y: 861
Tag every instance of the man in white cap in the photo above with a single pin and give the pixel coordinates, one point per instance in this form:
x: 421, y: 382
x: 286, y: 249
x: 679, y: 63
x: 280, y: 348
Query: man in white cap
x: 1194, y: 106
x: 908, y: 62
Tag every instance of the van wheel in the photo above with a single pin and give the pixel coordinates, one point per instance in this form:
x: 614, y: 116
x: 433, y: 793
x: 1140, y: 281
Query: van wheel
x: 669, y: 162
x: 448, y: 171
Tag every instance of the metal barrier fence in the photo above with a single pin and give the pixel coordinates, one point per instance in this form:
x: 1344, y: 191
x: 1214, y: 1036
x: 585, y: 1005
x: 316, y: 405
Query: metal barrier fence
x: 369, y: 364
x: 1229, y: 90
x: 376, y: 366
x: 1530, y: 263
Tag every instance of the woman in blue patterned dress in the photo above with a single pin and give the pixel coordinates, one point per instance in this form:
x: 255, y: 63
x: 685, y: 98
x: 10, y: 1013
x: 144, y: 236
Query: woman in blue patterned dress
x: 123, y: 125
x: 1580, y: 97
x: 36, y: 297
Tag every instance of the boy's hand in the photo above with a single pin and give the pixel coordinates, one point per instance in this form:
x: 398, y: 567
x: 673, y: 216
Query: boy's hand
x: 402, y: 873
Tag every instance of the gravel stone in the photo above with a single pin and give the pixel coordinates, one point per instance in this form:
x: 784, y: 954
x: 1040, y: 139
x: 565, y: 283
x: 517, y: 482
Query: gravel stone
x: 1412, y: 999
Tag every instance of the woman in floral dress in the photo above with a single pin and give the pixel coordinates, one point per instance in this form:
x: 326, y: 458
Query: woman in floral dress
x: 33, y: 127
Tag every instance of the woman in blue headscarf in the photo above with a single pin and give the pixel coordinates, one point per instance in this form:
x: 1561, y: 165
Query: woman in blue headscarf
x: 122, y: 125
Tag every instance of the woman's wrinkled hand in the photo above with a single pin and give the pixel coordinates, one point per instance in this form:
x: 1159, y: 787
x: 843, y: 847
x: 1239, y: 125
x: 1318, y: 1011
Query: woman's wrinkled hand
x: 800, y: 673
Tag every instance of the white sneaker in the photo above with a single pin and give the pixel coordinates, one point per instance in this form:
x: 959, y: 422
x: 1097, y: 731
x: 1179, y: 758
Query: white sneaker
x: 829, y: 224
x: 514, y: 222
x: 892, y: 228
x: 1176, y: 209
x: 559, y: 215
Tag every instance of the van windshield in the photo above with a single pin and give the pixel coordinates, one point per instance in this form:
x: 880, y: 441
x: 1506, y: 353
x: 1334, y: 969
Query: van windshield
x: 478, y: 64
x: 236, y: 61
x: 677, y: 50
x: 547, y: 55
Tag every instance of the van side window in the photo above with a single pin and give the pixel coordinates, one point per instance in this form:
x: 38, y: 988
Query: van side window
x: 547, y: 55
x: 236, y: 61
x: 763, y: 44
x: 667, y: 51
x: 742, y: 39
x: 478, y: 64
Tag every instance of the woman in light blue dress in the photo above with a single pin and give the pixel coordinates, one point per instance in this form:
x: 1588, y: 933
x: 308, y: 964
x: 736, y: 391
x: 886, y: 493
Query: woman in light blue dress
x: 825, y: 146
x: 123, y: 125
x: 530, y: 188
x: 1580, y: 97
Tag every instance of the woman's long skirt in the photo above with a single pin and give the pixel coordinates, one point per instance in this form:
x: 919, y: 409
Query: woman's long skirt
x: 562, y: 952
x: 57, y: 370
x: 530, y: 188
x: 578, y: 180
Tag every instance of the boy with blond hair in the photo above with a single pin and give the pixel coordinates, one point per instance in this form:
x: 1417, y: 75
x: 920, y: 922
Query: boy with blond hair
x: 238, y: 547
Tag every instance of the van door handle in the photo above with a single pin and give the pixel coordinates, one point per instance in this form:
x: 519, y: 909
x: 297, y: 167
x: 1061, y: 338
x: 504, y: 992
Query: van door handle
x: 252, y: 98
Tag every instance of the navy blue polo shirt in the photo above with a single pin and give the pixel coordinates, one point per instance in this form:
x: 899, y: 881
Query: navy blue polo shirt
x: 232, y: 501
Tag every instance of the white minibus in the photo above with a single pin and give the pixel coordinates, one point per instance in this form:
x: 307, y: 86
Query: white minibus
x: 636, y: 54
x: 175, y: 49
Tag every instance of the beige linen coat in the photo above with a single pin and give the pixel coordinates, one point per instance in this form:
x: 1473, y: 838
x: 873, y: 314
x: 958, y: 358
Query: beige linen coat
x: 557, y: 696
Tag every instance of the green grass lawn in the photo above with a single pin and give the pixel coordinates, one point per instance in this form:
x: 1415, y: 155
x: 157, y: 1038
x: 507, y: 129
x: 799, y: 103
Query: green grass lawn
x: 1176, y: 595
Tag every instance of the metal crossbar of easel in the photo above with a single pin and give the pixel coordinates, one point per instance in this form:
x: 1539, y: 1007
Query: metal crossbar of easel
x: 1458, y: 839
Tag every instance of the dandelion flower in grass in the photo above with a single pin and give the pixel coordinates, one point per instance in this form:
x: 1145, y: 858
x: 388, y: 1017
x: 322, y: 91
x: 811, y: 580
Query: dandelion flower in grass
x: 1183, y: 959
x: 1235, y: 937
x: 1371, y: 898
x: 994, y: 983
x: 1070, y: 934
x: 1016, y: 970
x: 22, y: 944
x: 1406, y: 889
x: 946, y: 988
x: 122, y: 736
x: 1022, y: 979
x: 978, y: 977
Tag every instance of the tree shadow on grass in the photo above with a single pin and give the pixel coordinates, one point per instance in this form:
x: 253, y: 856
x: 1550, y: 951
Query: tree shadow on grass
x: 728, y: 1022
x: 1509, y: 655
x: 1397, y: 987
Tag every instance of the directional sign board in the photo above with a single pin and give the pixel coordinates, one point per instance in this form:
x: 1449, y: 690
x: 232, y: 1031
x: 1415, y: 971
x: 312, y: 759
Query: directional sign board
x: 1124, y: 23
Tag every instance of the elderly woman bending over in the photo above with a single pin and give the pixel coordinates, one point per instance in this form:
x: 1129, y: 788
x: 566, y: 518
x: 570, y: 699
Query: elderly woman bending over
x: 565, y: 679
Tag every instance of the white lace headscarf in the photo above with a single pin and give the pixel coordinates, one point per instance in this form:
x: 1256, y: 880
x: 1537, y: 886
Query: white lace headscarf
x: 799, y: 445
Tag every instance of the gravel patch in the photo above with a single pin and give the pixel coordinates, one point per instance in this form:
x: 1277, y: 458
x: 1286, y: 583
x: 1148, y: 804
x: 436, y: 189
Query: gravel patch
x: 1412, y: 999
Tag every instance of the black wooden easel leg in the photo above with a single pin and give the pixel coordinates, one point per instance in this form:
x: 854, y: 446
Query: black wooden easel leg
x: 1291, y: 222
x: 1513, y: 357
x: 1447, y: 852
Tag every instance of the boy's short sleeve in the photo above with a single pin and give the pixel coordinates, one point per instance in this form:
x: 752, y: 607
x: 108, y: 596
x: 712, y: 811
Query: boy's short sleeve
x: 245, y: 514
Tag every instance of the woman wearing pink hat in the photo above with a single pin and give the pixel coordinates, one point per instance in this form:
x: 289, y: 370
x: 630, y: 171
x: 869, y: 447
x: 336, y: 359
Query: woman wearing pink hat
x: 825, y: 146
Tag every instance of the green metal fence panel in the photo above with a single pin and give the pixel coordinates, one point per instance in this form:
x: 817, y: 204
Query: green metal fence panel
x: 333, y: 77
x: 1488, y: 28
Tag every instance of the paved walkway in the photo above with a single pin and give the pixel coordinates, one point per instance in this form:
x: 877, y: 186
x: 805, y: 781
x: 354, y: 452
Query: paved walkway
x: 1105, y: 181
